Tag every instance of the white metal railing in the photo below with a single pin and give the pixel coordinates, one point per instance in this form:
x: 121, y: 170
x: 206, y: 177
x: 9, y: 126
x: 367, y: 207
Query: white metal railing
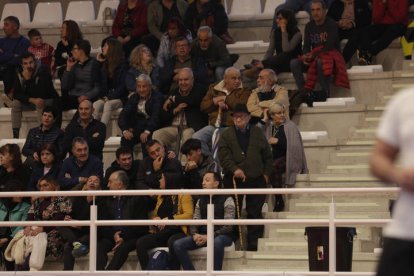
x: 93, y: 223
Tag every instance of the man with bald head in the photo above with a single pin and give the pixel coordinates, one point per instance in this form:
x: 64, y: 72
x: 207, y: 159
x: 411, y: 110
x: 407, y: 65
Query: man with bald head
x: 93, y: 131
x: 181, y: 111
x: 219, y: 102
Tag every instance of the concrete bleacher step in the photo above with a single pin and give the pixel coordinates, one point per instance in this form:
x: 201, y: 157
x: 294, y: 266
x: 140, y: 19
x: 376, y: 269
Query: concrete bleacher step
x: 296, y: 233
x: 325, y: 215
x: 336, y: 181
x: 315, y: 119
x: 274, y: 261
x: 407, y: 65
x: 362, y: 132
x: 347, y: 204
x: 348, y: 168
x: 350, y: 157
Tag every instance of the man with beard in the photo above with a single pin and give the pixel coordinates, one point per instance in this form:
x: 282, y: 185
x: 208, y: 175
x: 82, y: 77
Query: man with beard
x: 266, y: 93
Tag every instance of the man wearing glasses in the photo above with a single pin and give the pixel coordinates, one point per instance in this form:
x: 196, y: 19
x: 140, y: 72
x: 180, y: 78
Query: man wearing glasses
x: 82, y: 78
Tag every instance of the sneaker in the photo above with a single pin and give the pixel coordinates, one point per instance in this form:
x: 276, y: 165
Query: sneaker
x: 79, y: 250
x: 364, y: 58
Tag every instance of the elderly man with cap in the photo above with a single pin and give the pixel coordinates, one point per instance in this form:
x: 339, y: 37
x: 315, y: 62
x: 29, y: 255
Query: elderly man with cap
x: 246, y: 159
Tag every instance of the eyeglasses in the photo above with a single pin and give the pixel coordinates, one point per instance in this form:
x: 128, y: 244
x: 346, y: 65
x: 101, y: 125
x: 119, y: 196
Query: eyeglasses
x: 279, y: 18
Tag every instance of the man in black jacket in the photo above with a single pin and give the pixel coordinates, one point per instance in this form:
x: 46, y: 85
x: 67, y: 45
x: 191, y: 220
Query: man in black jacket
x: 32, y: 90
x: 124, y: 162
x: 181, y: 112
x: 140, y: 116
x: 87, y: 127
x: 119, y: 239
x: 155, y: 165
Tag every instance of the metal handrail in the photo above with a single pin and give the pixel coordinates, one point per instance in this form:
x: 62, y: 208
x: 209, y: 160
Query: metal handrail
x: 93, y: 223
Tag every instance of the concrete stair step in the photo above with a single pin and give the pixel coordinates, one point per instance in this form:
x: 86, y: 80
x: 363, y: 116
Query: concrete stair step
x: 357, y: 142
x: 348, y: 168
x: 353, y: 204
x: 346, y: 157
x: 314, y: 119
x: 271, y: 261
x: 362, y: 132
x: 325, y: 215
x: 335, y: 178
x: 296, y: 233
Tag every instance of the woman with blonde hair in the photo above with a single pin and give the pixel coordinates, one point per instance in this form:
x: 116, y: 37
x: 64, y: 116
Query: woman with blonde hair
x: 288, y: 153
x: 114, y: 70
x: 141, y: 61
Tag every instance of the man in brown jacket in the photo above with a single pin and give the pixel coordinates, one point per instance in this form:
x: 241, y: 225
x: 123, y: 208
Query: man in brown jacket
x: 218, y: 103
x: 266, y: 93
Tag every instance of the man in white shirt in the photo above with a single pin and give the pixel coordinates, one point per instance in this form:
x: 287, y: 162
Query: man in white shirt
x: 395, y: 141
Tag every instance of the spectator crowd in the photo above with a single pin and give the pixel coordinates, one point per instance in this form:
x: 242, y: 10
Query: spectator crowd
x: 197, y: 121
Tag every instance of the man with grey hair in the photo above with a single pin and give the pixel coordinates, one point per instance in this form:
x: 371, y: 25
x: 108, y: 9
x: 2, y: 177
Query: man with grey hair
x: 266, y: 93
x: 119, y: 239
x: 218, y: 103
x: 141, y: 115
x: 181, y: 113
x: 77, y: 168
x: 213, y: 50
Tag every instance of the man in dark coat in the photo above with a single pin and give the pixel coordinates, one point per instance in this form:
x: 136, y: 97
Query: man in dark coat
x: 245, y: 155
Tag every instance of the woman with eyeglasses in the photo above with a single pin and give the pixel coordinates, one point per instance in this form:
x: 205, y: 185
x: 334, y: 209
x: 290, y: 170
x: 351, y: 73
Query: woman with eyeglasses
x: 113, y: 92
x: 287, y: 148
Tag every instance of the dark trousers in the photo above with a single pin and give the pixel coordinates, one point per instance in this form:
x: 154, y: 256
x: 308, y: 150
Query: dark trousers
x: 166, y: 237
x: 71, y: 235
x: 254, y: 204
x: 7, y: 75
x: 120, y: 255
x: 397, y: 258
x: 135, y: 140
x: 69, y: 102
x: 298, y: 68
x: 375, y: 38
x: 10, y: 266
x: 354, y: 38
x: 278, y: 63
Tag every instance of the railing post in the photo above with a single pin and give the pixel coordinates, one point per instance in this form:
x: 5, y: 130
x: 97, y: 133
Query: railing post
x: 332, y: 239
x: 210, y: 239
x: 92, y: 239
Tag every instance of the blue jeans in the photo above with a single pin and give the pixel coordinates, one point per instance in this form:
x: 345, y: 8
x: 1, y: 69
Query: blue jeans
x: 204, y: 135
x: 182, y: 246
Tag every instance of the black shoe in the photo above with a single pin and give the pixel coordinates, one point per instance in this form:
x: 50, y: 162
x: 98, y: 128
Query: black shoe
x: 320, y: 96
x: 310, y: 98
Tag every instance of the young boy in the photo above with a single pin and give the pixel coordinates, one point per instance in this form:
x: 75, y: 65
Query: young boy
x: 42, y: 51
x: 224, y: 208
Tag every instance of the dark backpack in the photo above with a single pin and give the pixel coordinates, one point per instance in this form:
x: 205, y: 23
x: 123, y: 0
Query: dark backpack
x: 158, y: 261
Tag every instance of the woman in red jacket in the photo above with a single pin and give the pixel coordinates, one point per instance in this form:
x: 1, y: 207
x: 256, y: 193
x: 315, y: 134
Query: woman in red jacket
x: 130, y: 24
x: 389, y: 20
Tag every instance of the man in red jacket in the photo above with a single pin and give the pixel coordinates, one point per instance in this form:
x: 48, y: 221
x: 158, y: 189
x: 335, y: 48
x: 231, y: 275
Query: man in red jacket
x: 389, y: 18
